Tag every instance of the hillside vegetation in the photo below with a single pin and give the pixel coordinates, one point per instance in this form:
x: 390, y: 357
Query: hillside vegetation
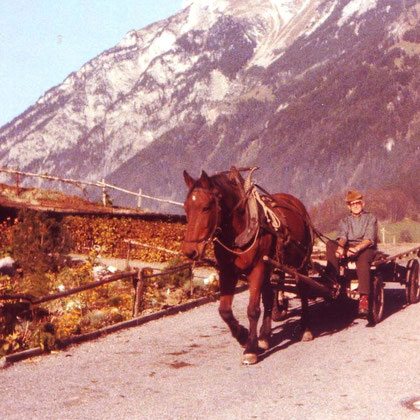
x: 39, y: 245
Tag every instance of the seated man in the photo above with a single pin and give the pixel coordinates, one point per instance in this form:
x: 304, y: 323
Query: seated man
x: 357, y: 238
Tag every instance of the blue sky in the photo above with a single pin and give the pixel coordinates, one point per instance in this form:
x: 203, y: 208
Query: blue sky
x: 43, y: 41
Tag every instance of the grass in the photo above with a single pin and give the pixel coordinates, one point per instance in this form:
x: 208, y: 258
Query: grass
x: 397, y: 231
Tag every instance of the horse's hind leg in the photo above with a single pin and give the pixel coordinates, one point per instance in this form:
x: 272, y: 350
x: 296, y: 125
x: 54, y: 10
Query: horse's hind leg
x: 279, y: 310
x: 265, y: 330
x: 306, y: 332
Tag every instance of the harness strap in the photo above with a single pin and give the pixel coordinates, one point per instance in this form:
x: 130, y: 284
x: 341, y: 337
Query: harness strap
x: 284, y: 241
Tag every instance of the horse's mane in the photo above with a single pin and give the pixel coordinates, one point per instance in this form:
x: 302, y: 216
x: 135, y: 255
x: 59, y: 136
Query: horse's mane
x: 225, y: 184
x: 222, y: 181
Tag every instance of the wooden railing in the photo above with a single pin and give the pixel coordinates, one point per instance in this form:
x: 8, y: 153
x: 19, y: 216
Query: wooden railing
x: 139, y: 277
x: 98, y: 184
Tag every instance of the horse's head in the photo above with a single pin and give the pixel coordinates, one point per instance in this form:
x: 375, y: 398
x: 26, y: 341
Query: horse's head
x: 202, y: 209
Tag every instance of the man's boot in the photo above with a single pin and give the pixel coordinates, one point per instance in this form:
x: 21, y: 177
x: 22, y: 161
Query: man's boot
x: 363, y: 305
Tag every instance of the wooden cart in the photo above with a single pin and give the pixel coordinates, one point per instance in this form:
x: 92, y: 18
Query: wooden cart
x: 385, y: 269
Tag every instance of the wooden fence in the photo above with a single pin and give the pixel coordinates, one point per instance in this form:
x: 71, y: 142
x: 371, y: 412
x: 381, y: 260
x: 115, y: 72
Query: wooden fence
x: 139, y: 277
x: 102, y: 185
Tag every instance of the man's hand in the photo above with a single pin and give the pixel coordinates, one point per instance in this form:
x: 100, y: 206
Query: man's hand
x: 340, y: 252
x: 352, y: 251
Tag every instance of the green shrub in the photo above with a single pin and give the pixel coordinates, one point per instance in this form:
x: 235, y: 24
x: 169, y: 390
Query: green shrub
x: 405, y: 236
x: 177, y: 278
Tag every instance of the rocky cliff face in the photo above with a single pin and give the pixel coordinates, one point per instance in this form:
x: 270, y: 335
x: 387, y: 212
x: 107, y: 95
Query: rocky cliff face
x: 321, y: 94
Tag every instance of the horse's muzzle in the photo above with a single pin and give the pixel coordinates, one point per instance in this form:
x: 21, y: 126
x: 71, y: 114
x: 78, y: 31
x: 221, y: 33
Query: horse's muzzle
x: 192, y: 255
x: 192, y: 250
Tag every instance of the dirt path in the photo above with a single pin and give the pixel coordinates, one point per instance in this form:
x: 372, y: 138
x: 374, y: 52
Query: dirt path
x: 188, y: 367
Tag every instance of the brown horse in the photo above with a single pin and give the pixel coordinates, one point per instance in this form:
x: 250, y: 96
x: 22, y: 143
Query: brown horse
x: 216, y: 212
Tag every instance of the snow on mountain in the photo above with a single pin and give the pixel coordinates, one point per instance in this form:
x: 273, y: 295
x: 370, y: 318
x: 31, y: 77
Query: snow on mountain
x: 356, y: 7
x: 289, y: 85
x: 276, y: 22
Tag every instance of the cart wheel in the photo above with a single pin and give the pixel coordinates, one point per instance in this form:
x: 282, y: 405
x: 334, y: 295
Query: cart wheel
x: 412, y: 289
x: 376, y: 300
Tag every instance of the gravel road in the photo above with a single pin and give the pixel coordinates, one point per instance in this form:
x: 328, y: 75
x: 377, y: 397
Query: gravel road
x: 187, y: 366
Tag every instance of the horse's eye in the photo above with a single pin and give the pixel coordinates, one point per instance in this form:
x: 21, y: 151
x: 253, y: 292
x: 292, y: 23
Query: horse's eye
x: 207, y: 208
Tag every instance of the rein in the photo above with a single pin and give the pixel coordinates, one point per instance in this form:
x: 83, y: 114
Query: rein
x: 217, y: 240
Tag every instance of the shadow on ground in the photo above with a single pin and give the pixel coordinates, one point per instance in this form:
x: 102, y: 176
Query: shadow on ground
x: 329, y: 317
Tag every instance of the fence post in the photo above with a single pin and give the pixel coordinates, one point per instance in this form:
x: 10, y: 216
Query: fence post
x: 104, y: 200
x: 139, y: 285
x: 17, y: 183
x: 139, y: 199
x: 138, y: 293
x: 191, y: 269
x: 383, y: 234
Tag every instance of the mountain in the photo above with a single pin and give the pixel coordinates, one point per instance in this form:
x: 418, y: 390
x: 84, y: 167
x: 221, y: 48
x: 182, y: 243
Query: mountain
x: 322, y: 95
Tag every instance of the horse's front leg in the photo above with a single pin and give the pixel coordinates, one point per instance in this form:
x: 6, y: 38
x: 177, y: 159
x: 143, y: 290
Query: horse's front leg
x: 268, y: 304
x: 227, y: 284
x: 256, y: 281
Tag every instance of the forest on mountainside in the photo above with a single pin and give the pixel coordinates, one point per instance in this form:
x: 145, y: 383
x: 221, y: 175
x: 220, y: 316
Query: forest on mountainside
x: 388, y: 205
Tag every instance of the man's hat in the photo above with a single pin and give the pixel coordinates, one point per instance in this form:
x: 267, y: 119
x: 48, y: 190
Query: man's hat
x: 353, y: 195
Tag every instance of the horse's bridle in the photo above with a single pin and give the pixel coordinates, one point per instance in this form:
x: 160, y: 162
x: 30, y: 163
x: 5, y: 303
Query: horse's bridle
x: 212, y: 237
x: 216, y: 228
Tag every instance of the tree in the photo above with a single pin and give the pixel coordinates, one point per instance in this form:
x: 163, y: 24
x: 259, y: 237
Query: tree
x: 405, y: 236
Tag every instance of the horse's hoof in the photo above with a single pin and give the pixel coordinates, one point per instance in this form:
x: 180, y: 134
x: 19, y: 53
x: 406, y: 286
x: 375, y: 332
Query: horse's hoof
x: 263, y: 344
x: 279, y: 311
x: 278, y: 316
x: 307, y: 336
x: 249, y: 359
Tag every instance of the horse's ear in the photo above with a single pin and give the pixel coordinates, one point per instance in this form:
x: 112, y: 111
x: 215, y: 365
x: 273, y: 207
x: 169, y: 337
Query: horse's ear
x: 235, y: 176
x: 205, y: 181
x: 233, y: 173
x: 188, y: 180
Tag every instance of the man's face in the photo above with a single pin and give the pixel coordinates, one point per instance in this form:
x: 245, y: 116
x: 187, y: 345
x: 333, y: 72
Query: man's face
x: 356, y: 207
